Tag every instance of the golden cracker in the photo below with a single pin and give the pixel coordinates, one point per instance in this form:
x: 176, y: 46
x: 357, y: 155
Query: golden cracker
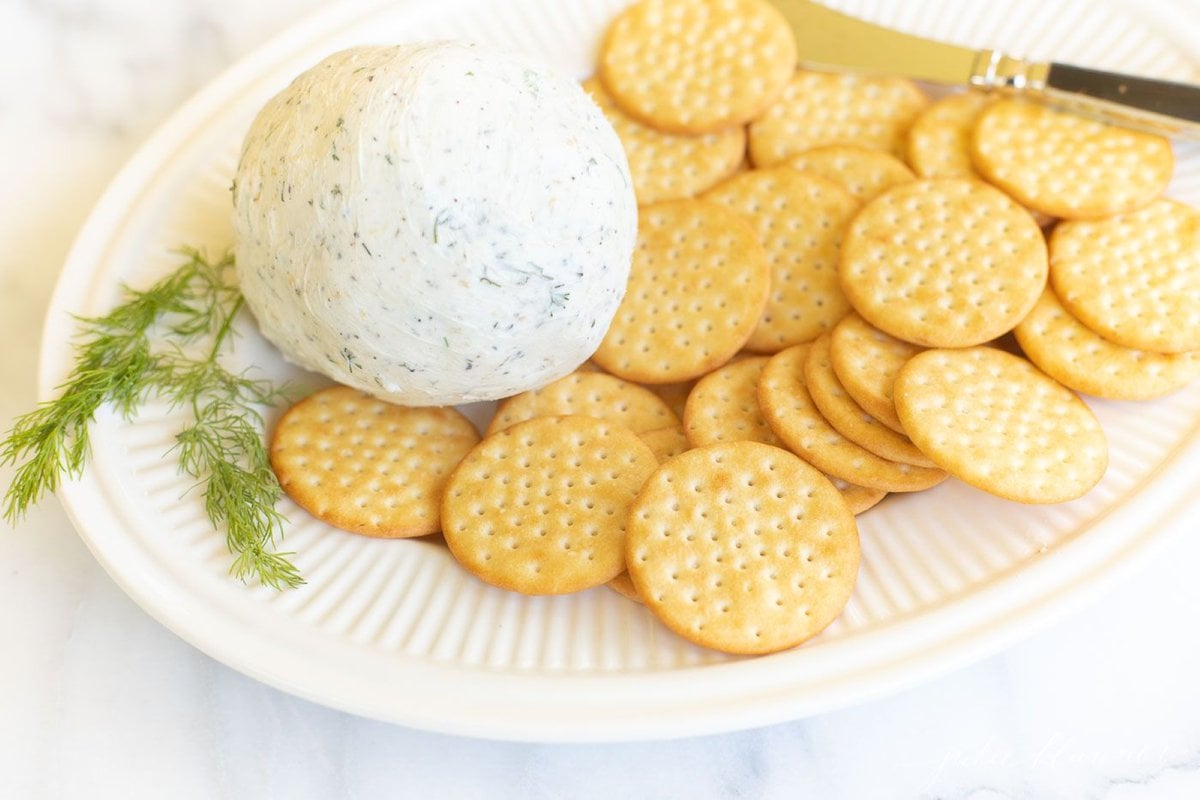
x: 589, y: 366
x: 789, y: 409
x: 996, y: 422
x: 847, y: 417
x: 1067, y: 166
x: 742, y: 547
x: 866, y: 360
x: 820, y: 108
x: 862, y: 171
x: 939, y: 142
x: 1078, y: 357
x: 697, y: 288
x: 541, y: 507
x: 697, y: 66
x: 858, y: 498
x: 800, y: 220
x: 943, y: 262
x: 367, y: 466
x: 590, y: 394
x: 623, y: 585
x: 666, y: 442
x: 724, y: 406
x: 1133, y: 278
x: 667, y: 166
x: 675, y: 395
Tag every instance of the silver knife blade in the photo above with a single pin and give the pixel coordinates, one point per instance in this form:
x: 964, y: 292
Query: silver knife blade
x: 828, y: 39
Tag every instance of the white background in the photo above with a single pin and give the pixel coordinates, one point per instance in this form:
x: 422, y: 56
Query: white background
x: 97, y: 700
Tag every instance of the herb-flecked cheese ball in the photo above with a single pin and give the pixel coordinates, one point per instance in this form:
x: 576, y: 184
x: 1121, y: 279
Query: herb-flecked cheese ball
x: 433, y: 223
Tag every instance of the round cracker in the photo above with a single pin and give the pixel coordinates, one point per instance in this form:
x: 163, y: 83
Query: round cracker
x: 1067, y: 166
x: 993, y: 420
x: 742, y: 547
x: 1133, y: 278
x: 367, y: 466
x: 667, y: 166
x: 863, y: 172
x: 724, y: 406
x: 800, y: 220
x: 674, y: 395
x: 939, y: 142
x: 1078, y: 357
x: 866, y: 360
x: 541, y: 507
x: 666, y: 442
x: 847, y: 417
x: 623, y: 585
x: 858, y: 498
x: 819, y: 108
x: 789, y: 409
x: 697, y: 288
x: 590, y: 394
x: 697, y: 66
x: 943, y: 262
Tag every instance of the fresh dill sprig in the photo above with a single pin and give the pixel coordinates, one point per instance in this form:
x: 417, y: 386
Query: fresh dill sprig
x: 222, y: 447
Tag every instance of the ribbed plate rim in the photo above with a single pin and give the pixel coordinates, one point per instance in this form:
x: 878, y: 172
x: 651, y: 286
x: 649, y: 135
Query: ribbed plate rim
x: 559, y: 707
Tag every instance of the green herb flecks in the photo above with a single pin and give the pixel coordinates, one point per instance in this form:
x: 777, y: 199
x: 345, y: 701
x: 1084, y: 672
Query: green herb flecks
x: 558, y: 298
x: 119, y: 361
x: 351, y: 359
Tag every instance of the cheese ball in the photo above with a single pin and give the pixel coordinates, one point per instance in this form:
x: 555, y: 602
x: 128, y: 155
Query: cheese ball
x: 433, y: 223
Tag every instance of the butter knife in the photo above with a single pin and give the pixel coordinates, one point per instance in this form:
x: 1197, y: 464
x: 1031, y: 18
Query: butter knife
x: 828, y: 39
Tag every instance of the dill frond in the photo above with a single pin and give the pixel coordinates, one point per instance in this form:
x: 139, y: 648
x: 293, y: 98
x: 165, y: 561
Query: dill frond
x: 120, y: 361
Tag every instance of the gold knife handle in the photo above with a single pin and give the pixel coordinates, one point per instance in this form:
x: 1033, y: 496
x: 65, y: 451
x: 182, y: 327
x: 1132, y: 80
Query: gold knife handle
x: 1162, y: 107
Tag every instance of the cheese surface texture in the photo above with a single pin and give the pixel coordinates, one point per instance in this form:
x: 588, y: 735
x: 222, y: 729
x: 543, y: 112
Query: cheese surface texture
x: 433, y: 223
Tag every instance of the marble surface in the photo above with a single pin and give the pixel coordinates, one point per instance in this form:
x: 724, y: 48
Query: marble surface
x: 97, y: 700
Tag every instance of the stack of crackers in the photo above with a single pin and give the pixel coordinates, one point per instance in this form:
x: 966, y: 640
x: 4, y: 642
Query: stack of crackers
x: 840, y: 290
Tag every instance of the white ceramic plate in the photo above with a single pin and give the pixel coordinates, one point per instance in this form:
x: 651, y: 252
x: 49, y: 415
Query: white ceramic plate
x: 395, y: 630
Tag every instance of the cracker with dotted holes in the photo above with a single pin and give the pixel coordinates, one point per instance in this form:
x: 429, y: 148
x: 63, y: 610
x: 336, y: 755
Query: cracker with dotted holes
x: 590, y: 394
x: 800, y: 220
x: 1133, y: 278
x: 724, y: 406
x: 847, y: 417
x: 666, y: 442
x: 541, y: 507
x: 996, y: 422
x: 667, y: 166
x: 789, y: 409
x: 943, y: 262
x: 623, y: 585
x: 866, y: 360
x: 674, y: 395
x: 858, y: 498
x: 697, y: 66
x: 742, y: 547
x: 819, y: 108
x: 697, y: 288
x: 367, y: 466
x: 939, y: 142
x: 1076, y: 356
x: 1067, y: 166
x: 863, y: 172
